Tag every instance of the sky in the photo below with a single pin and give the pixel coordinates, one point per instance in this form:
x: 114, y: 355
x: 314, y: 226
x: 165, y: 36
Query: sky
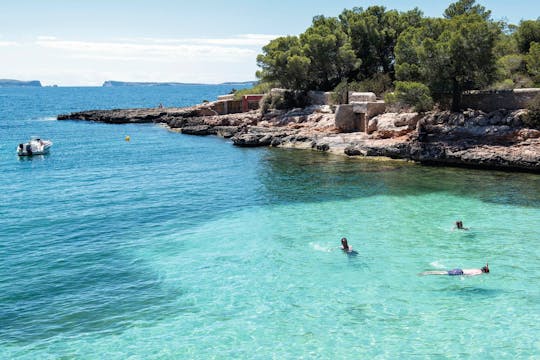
x: 86, y: 42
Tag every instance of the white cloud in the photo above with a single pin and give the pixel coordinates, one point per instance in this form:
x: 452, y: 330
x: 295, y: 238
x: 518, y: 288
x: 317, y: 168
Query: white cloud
x: 90, y: 62
x: 159, y: 50
x: 8, y: 43
x: 257, y: 40
x: 46, y: 37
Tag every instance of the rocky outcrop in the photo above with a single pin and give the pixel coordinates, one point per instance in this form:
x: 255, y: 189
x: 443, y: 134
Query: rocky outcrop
x: 126, y: 116
x: 471, y: 138
x: 19, y: 83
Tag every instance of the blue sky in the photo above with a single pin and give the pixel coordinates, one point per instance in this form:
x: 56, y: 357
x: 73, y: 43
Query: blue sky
x: 68, y: 42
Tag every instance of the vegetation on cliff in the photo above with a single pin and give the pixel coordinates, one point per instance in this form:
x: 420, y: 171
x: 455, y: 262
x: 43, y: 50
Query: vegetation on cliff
x: 371, y: 49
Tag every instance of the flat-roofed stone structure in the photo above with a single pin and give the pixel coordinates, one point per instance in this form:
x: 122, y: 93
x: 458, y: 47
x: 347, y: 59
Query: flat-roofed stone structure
x: 354, y: 117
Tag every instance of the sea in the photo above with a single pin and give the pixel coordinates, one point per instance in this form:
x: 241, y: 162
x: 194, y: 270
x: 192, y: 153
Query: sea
x: 171, y: 246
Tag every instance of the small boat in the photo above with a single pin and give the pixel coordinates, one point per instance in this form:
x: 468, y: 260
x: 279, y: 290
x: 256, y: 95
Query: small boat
x: 35, y: 146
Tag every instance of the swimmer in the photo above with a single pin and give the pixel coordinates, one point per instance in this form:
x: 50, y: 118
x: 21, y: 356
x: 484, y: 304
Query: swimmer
x: 456, y: 272
x: 345, y: 246
x: 459, y: 225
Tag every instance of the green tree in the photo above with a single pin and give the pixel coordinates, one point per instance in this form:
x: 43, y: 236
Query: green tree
x: 413, y: 94
x: 466, y: 7
x: 374, y: 33
x: 329, y: 51
x: 283, y: 63
x: 456, y: 59
x: 408, y: 49
x: 533, y: 61
x: 527, y: 32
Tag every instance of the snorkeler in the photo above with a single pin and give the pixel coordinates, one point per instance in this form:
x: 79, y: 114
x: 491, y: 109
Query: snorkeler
x: 456, y: 272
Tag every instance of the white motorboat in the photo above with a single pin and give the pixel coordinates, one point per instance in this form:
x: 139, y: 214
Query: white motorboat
x: 35, y: 146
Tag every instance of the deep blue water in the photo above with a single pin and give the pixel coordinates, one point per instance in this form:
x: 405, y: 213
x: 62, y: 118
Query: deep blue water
x: 172, y: 246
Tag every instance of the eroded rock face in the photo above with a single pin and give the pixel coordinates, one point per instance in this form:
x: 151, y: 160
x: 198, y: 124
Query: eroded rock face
x: 471, y: 138
x: 392, y: 125
x: 252, y: 140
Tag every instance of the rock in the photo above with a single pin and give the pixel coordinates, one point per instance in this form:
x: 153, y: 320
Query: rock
x: 394, y: 125
x: 226, y: 131
x: 198, y: 130
x: 322, y: 147
x: 346, y: 119
x: 252, y: 140
x: 472, y: 138
x: 372, y: 125
x: 362, y: 97
x: 525, y: 134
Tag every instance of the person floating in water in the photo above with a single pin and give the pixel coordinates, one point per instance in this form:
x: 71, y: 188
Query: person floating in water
x: 459, y: 225
x: 455, y: 272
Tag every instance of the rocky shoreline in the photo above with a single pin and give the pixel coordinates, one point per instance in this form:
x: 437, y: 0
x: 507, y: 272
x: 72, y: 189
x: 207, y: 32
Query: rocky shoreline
x: 495, y: 140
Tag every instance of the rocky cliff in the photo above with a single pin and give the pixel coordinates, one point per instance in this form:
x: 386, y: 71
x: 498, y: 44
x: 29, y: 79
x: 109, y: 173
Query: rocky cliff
x: 472, y: 138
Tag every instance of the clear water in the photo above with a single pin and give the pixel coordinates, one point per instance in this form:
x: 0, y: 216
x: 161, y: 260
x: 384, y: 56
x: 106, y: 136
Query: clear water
x: 171, y: 246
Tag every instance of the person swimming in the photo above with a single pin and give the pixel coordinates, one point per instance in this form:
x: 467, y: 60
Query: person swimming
x: 459, y: 225
x: 347, y: 248
x: 458, y: 272
x: 345, y: 245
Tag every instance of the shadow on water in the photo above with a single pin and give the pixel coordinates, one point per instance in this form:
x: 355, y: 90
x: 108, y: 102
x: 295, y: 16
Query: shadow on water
x: 472, y: 292
x: 102, y: 296
x: 307, y: 176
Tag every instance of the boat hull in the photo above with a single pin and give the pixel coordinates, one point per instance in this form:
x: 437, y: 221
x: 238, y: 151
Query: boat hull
x: 34, y: 147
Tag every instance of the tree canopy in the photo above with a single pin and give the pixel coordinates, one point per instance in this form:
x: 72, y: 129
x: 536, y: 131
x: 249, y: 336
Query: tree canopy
x: 462, y: 50
x: 452, y: 56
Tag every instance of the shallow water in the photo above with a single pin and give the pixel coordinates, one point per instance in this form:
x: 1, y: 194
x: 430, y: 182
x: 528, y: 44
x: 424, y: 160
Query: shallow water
x: 171, y: 246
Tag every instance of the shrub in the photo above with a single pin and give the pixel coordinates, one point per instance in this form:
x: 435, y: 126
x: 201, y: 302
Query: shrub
x: 260, y: 88
x: 532, y: 118
x: 284, y: 100
x: 413, y: 94
x: 340, y: 93
x: 505, y: 84
x: 379, y: 84
x: 393, y: 104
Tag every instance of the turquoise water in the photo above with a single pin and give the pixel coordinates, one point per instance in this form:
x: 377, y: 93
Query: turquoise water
x: 171, y: 246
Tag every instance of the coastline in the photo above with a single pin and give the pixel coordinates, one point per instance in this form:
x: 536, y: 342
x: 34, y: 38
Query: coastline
x: 474, y: 139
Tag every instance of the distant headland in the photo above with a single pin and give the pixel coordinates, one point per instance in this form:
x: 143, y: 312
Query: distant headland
x: 19, y: 83
x: 110, y: 83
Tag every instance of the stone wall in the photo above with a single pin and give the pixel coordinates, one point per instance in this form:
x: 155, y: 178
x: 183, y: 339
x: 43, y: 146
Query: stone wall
x: 320, y: 97
x: 501, y: 99
x: 224, y: 107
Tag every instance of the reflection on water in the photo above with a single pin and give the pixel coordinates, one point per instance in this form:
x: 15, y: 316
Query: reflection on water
x: 326, y: 177
x: 32, y: 158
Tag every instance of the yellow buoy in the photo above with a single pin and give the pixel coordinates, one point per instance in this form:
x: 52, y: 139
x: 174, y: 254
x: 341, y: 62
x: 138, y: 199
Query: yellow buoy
x: 128, y: 138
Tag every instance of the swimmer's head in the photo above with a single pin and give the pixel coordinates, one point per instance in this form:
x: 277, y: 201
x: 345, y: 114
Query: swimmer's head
x: 485, y: 269
x: 344, y: 243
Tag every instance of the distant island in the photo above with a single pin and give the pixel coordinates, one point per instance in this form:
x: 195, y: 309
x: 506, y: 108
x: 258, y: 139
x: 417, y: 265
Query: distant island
x: 110, y: 83
x: 18, y: 83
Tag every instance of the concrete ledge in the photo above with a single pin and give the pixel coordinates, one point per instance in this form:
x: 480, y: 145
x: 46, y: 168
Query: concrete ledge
x: 371, y: 109
x: 362, y: 97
